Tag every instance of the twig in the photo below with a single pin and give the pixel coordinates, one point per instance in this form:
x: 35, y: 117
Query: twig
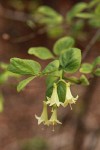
x: 15, y: 15
x: 94, y: 140
x: 80, y: 129
x: 23, y: 38
x: 91, y: 43
x: 29, y: 36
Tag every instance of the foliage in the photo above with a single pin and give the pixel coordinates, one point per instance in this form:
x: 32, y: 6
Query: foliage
x: 67, y: 61
x: 1, y: 102
x: 54, y: 24
x: 34, y: 144
x: 4, y: 76
x: 64, y: 61
x: 90, y: 11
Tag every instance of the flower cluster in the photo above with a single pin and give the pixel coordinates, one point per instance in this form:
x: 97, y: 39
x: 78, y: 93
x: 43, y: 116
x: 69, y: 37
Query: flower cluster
x: 54, y: 103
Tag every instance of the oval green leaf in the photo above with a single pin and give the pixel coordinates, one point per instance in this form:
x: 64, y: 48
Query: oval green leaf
x: 86, y: 68
x: 62, y: 44
x: 97, y: 72
x: 41, y: 52
x: 61, y: 90
x: 96, y: 61
x: 24, y: 66
x: 51, y: 67
x: 48, y: 16
x: 23, y: 83
x: 75, y: 10
x: 84, y: 81
x: 70, y: 60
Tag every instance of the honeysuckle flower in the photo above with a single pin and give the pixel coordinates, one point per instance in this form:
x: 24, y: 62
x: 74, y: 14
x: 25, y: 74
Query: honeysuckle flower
x: 69, y: 98
x: 54, y: 99
x: 44, y: 116
x: 53, y: 120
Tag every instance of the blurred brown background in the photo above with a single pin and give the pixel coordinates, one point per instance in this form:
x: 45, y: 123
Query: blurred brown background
x: 18, y: 126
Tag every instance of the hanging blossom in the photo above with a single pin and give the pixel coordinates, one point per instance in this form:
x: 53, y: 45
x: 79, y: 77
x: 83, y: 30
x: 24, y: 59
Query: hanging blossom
x: 69, y: 98
x: 53, y: 120
x: 44, y: 116
x: 54, y: 99
x: 54, y: 102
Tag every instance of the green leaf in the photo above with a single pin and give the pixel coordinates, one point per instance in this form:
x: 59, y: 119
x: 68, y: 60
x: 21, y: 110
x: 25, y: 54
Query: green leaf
x: 3, y: 77
x: 72, y: 79
x: 75, y: 10
x: 93, y: 3
x: 41, y: 52
x: 84, y: 80
x: 3, y: 65
x: 86, y: 68
x: 49, y: 91
x: 24, y: 66
x: 70, y: 60
x: 95, y: 22
x: 50, y: 80
x: 55, y: 31
x: 1, y: 102
x: 48, y: 11
x: 97, y: 10
x: 85, y: 15
x: 97, y: 72
x: 78, y: 26
x: 47, y: 15
x: 23, y: 83
x: 63, y: 44
x: 96, y: 61
x: 61, y: 90
x: 52, y: 66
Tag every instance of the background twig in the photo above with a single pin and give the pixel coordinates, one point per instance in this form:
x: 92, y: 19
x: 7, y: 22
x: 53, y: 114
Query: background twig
x: 15, y: 15
x: 90, y: 44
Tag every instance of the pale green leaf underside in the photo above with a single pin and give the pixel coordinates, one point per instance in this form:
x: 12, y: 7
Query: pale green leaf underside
x: 41, y: 52
x: 86, y: 68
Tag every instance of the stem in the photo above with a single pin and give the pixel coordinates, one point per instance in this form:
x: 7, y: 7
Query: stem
x: 91, y: 43
x: 80, y: 132
x: 61, y: 74
x: 15, y: 15
x: 72, y: 80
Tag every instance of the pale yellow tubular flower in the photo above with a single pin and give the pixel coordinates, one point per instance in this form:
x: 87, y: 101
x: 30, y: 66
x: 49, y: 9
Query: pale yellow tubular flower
x: 44, y: 116
x: 69, y: 98
x: 54, y: 99
x: 53, y: 120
